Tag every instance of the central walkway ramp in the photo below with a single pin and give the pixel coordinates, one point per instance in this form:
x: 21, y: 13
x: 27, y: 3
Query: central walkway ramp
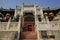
x: 28, y: 36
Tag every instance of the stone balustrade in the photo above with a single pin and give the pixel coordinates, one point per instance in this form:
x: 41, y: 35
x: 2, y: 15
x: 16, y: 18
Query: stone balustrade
x: 5, y: 35
x: 56, y: 33
x: 53, y: 25
x: 13, y: 26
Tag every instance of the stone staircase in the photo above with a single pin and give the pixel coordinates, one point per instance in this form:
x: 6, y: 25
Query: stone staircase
x: 28, y: 36
x: 7, y: 35
x: 28, y: 39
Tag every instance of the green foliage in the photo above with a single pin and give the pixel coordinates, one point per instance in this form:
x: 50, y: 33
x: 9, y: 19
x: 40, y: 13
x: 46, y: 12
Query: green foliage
x: 58, y: 13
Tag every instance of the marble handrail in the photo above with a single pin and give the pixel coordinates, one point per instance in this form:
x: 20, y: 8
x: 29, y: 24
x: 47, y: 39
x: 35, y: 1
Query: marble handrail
x: 53, y: 25
x: 13, y: 26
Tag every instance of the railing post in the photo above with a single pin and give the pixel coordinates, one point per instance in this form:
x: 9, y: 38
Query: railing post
x: 42, y: 16
x: 48, y: 22
x: 8, y: 24
x: 38, y: 34
x: 19, y: 24
x: 36, y: 21
x: 15, y: 12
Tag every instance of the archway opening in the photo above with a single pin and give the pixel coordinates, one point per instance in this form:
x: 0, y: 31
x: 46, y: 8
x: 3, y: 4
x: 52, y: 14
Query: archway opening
x: 28, y: 21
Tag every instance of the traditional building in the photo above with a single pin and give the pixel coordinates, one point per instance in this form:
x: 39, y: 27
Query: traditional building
x: 29, y: 22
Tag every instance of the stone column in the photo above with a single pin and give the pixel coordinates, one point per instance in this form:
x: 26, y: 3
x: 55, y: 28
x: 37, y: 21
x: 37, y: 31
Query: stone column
x: 48, y: 23
x: 15, y: 12
x: 42, y: 16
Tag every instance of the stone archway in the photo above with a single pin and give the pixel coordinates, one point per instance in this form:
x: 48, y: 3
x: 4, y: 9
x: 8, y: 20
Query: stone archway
x: 28, y: 22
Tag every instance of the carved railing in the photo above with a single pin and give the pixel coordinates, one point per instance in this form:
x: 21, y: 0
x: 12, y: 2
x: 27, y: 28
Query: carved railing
x: 13, y: 26
x: 3, y: 26
x: 42, y: 26
x: 7, y: 35
x: 56, y: 34
x: 9, y: 29
x: 54, y: 25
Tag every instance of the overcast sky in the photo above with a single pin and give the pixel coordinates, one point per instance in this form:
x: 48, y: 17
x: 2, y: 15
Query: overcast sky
x: 43, y: 3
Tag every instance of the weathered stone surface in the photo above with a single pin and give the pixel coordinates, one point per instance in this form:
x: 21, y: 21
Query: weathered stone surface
x: 28, y: 35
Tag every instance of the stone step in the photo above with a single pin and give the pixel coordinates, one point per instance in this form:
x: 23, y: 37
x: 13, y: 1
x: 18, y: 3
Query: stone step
x: 28, y: 39
x: 28, y: 35
x: 6, y: 35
